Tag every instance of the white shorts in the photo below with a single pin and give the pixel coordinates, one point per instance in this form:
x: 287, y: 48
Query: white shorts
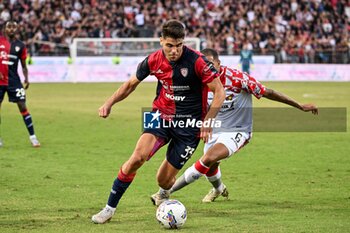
x: 232, y: 140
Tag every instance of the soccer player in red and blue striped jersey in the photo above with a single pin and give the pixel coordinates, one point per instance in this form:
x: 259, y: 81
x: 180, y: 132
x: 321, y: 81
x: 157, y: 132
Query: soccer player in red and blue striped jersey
x: 12, y: 51
x: 184, y: 76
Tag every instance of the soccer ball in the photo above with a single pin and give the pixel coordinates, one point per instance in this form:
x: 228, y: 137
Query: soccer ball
x: 171, y: 214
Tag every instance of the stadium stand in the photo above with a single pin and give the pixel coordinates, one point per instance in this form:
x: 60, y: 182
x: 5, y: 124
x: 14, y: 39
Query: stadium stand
x: 294, y: 31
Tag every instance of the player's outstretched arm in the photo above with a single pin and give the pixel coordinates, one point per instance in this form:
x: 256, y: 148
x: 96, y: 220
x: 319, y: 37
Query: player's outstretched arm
x: 123, y: 91
x: 219, y: 96
x: 280, y: 97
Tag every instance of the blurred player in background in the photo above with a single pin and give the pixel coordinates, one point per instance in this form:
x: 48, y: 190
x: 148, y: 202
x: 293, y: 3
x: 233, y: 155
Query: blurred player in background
x: 13, y: 50
x: 246, y: 57
x: 184, y: 76
x: 236, y: 130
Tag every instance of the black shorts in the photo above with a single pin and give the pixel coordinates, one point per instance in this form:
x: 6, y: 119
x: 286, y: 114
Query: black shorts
x: 15, y: 93
x: 182, y: 143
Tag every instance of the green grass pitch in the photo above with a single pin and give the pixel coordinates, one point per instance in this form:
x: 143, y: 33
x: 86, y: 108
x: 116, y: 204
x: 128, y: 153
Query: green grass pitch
x: 280, y: 182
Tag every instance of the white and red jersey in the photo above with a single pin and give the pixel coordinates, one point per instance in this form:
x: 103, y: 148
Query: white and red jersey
x: 236, y: 112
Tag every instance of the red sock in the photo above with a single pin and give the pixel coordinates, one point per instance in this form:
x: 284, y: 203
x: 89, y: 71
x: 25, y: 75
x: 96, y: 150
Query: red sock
x: 199, y: 166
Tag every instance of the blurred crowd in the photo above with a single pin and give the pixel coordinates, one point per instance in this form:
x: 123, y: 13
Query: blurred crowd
x: 294, y: 31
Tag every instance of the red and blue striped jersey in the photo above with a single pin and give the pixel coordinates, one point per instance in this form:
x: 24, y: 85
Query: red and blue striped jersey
x: 10, y: 53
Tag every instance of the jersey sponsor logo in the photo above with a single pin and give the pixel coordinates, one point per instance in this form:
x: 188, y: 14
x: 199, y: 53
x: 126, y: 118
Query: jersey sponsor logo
x: 2, y: 46
x: 166, y: 86
x: 173, y: 97
x: 184, y: 72
x: 229, y: 101
x: 17, y: 48
x: 180, y: 88
x: 227, y: 106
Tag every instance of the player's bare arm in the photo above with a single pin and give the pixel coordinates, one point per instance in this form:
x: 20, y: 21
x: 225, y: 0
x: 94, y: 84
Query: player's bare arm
x: 123, y: 91
x: 219, y: 96
x: 25, y: 73
x: 1, y: 76
x: 280, y: 97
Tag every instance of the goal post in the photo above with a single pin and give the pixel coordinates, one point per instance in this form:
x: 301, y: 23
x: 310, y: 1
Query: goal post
x: 85, y: 47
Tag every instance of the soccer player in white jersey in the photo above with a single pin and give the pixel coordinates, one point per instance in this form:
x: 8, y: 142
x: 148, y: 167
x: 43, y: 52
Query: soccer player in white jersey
x: 236, y: 125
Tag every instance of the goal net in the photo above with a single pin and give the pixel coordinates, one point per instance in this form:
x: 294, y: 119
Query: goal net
x: 85, y: 47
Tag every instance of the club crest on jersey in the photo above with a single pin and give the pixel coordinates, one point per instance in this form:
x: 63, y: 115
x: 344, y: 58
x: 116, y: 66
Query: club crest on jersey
x: 17, y: 48
x: 184, y: 72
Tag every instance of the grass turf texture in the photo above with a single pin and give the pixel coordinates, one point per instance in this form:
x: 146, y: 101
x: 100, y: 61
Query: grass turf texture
x: 280, y: 182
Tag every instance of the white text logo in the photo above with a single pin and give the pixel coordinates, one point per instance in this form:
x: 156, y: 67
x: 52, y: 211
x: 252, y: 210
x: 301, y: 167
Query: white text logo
x: 176, y: 98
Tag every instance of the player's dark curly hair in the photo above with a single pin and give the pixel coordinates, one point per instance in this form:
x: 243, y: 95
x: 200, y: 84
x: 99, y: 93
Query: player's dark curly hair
x: 173, y: 29
x: 210, y: 52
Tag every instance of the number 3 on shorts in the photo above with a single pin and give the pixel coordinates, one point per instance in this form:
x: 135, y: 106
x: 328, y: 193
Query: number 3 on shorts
x: 20, y: 93
x: 189, y: 151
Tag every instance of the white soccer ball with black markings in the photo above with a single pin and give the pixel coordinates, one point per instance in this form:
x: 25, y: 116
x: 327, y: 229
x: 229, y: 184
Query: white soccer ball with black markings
x: 171, y: 214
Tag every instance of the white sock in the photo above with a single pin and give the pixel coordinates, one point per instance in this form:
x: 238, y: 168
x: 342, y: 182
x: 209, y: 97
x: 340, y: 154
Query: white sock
x: 191, y: 174
x: 111, y: 208
x: 220, y: 188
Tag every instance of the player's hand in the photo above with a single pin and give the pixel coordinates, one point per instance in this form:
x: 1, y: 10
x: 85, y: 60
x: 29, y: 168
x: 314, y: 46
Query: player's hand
x: 206, y: 133
x: 26, y: 84
x: 309, y: 107
x: 104, y: 110
x: 1, y: 76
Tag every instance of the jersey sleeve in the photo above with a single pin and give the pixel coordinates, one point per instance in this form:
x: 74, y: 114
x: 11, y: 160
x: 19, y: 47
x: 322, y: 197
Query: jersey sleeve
x: 24, y: 53
x: 143, y: 70
x: 205, y: 70
x: 252, y: 86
